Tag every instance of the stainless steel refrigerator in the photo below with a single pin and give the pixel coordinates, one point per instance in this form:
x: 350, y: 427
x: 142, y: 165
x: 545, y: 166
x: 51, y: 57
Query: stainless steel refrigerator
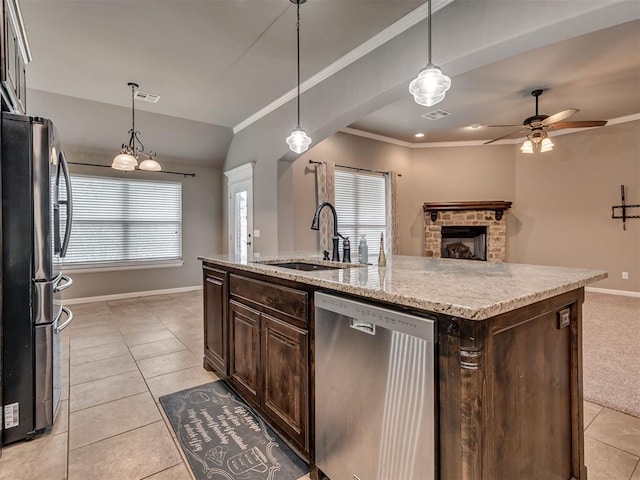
x: 36, y: 224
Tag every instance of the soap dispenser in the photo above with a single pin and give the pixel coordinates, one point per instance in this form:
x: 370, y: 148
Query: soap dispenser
x: 363, y: 250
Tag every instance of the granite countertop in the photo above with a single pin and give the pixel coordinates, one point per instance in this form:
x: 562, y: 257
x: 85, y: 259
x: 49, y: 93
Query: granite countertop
x: 462, y: 288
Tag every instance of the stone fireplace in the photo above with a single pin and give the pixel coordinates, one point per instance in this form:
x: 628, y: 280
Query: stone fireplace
x: 471, y: 230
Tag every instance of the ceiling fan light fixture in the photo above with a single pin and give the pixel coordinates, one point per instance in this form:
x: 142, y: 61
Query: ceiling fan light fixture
x: 298, y: 141
x: 527, y: 147
x: 546, y: 145
x: 431, y: 85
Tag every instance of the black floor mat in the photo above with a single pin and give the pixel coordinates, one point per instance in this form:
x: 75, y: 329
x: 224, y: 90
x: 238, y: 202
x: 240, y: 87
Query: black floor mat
x: 224, y: 438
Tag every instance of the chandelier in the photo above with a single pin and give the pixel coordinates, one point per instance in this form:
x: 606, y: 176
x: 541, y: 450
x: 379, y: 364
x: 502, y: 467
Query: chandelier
x: 127, y: 159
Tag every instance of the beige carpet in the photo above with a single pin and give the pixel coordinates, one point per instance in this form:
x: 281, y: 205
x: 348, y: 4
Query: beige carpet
x: 611, y: 351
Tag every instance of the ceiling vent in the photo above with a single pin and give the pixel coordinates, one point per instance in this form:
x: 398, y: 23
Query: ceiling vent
x: 436, y: 114
x: 147, y: 97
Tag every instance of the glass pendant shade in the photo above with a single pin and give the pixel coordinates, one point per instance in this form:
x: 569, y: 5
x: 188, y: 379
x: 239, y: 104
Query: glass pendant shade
x: 150, y: 165
x: 546, y: 145
x: 125, y: 162
x: 527, y: 147
x: 430, y: 86
x: 299, y: 141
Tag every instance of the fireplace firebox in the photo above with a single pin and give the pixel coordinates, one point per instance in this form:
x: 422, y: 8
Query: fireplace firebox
x: 464, y: 242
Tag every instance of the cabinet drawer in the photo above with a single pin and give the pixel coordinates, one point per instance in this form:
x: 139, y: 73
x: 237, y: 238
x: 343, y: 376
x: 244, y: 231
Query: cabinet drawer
x: 214, y: 272
x: 287, y: 301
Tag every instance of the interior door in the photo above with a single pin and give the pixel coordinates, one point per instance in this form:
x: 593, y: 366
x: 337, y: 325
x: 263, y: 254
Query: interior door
x: 240, y: 212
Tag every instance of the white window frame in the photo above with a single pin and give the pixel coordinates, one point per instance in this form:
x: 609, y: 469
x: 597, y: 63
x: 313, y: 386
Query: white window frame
x: 373, y: 242
x: 121, y: 265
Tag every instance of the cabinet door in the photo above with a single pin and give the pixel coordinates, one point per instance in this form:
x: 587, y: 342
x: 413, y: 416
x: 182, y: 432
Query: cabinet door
x: 216, y: 323
x: 245, y: 351
x: 285, y: 364
x: 532, y: 370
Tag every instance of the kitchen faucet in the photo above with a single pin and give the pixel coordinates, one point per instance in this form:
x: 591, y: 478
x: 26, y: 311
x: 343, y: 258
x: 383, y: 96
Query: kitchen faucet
x: 315, y: 225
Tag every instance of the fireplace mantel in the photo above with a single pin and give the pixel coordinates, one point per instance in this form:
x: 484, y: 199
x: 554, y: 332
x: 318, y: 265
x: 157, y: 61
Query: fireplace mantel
x: 498, y: 206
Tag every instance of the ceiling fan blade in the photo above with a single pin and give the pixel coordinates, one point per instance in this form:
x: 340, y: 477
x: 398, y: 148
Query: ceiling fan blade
x: 582, y: 124
x: 509, y: 135
x: 504, y: 126
x: 558, y: 117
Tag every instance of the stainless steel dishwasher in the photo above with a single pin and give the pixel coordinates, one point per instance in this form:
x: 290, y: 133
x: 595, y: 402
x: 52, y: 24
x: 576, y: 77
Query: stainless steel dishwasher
x: 375, y: 391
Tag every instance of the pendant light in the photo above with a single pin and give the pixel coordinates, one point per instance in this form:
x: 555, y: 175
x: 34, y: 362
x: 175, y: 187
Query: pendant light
x: 127, y: 159
x: 298, y: 141
x: 431, y: 85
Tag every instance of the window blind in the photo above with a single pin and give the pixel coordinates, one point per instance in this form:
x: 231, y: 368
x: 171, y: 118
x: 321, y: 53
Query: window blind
x: 122, y: 222
x: 360, y: 205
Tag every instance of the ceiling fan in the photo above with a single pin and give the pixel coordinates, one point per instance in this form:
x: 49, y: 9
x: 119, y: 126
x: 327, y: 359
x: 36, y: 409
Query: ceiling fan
x: 536, y: 126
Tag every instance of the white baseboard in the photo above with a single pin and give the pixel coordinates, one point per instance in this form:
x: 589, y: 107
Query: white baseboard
x: 609, y: 291
x: 120, y: 296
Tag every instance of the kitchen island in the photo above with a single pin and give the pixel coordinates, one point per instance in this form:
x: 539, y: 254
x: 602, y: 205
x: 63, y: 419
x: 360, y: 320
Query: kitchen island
x: 508, y: 365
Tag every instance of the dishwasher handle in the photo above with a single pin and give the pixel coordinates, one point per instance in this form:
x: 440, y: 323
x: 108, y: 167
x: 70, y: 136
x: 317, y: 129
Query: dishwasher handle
x: 365, y: 327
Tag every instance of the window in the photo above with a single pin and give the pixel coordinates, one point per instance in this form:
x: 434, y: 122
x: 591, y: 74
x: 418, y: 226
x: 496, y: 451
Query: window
x: 119, y: 222
x: 361, y: 207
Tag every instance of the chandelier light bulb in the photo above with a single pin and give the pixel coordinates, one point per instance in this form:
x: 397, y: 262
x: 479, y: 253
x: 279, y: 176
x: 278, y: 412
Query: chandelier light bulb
x: 546, y: 145
x: 527, y: 147
x: 125, y: 162
x: 150, y: 165
x: 299, y: 141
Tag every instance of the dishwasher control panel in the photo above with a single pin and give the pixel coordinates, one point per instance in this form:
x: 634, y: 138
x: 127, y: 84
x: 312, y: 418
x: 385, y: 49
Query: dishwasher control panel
x: 364, y: 316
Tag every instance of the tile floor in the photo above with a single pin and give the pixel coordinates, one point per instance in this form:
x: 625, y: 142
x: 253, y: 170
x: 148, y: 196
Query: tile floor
x: 124, y: 354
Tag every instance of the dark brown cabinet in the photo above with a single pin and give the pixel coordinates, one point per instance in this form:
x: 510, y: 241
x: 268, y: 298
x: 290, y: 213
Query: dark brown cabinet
x: 14, y: 56
x: 257, y: 337
x: 285, y: 369
x: 510, y: 401
x: 216, y: 323
x: 245, y: 352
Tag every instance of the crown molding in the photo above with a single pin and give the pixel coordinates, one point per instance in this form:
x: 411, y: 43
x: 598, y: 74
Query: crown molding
x: 392, y: 31
x: 240, y: 173
x: 474, y: 143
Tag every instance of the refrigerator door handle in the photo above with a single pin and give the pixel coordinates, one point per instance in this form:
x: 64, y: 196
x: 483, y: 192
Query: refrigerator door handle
x: 68, y: 203
x: 68, y: 282
x: 59, y: 328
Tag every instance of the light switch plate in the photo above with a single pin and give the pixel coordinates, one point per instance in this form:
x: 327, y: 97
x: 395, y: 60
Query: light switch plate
x: 256, y: 233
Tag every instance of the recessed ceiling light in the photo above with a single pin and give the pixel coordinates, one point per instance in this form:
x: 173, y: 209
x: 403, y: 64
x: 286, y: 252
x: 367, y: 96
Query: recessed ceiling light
x: 475, y: 125
x: 419, y: 135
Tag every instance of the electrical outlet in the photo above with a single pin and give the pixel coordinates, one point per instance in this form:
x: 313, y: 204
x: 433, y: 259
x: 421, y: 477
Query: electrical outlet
x: 625, y: 275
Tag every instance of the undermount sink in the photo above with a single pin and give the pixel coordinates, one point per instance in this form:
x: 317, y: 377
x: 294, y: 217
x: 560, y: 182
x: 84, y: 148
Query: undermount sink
x: 307, y: 267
